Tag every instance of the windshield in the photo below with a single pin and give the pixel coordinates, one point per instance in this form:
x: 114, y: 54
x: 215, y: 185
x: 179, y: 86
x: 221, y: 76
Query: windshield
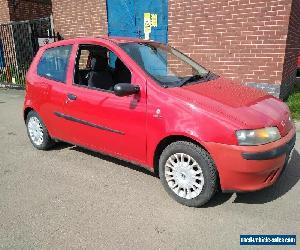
x: 166, y: 65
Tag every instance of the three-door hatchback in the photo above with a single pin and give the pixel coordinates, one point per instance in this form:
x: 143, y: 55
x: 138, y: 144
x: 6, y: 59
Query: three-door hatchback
x: 148, y: 103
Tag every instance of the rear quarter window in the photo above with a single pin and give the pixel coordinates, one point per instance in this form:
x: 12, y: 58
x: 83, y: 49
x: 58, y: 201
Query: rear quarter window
x: 54, y: 62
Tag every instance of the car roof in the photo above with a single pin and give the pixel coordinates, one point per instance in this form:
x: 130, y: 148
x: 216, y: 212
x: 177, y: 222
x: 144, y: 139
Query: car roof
x: 118, y: 40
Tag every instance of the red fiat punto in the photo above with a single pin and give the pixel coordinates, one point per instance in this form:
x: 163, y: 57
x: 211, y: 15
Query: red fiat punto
x: 148, y: 103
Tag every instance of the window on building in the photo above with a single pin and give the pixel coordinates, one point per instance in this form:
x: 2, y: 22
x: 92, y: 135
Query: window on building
x: 54, y: 62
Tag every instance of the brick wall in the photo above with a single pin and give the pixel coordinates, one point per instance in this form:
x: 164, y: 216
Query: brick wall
x: 255, y: 41
x: 29, y: 10
x: 74, y: 18
x: 239, y: 39
x: 23, y: 10
x: 4, y: 12
x: 291, y: 51
x: 8, y: 43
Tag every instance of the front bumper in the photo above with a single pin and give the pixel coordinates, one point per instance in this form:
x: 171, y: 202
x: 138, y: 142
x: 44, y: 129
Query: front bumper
x: 271, y: 154
x: 250, y: 168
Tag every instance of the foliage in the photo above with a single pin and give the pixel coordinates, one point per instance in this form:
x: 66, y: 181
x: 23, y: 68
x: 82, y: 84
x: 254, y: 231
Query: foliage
x: 13, y: 74
x: 294, y: 102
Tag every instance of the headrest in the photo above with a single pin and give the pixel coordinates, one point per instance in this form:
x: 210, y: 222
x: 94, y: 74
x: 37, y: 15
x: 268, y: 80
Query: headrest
x: 99, y: 63
x: 120, y: 65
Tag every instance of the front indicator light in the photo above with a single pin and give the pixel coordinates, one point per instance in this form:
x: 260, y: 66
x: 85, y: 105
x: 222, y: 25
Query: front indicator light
x: 257, y: 136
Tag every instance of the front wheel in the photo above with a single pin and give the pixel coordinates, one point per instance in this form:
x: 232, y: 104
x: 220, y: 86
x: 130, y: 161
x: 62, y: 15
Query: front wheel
x: 188, y: 173
x: 37, y: 132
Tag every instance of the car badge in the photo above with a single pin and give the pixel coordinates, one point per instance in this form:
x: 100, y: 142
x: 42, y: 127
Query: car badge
x: 157, y: 113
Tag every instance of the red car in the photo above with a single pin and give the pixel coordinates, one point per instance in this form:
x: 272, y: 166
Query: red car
x: 148, y: 103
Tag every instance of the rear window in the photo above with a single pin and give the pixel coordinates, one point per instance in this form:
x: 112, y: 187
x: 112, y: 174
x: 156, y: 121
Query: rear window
x: 54, y: 62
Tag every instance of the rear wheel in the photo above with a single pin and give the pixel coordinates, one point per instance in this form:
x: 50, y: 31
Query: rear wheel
x: 188, y: 173
x: 37, y: 132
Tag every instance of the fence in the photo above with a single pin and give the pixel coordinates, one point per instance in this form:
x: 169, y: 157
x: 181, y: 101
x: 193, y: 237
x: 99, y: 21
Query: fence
x: 19, y: 42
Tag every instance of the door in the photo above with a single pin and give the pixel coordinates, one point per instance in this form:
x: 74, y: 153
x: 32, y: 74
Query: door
x: 96, y: 117
x: 127, y: 18
x: 51, y: 88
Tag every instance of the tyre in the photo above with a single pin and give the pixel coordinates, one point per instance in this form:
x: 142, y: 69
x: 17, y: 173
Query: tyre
x: 188, y: 173
x: 37, y: 132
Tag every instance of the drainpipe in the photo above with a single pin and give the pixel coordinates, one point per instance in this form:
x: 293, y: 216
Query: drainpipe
x: 52, y: 25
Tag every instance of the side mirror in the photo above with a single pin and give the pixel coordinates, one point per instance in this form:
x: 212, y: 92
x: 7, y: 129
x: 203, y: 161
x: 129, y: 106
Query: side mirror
x: 124, y: 89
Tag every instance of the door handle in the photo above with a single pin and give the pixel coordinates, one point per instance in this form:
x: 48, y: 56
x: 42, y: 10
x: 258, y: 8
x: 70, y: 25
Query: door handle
x: 71, y: 97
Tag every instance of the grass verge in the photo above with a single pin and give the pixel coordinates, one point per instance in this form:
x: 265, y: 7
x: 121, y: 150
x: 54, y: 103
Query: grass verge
x: 294, y: 103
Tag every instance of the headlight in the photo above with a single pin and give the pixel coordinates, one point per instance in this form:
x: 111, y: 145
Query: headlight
x: 257, y: 136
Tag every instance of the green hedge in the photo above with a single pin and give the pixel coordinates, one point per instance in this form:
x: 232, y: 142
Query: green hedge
x: 294, y: 103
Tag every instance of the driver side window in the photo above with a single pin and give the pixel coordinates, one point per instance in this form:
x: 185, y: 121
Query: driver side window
x: 99, y: 68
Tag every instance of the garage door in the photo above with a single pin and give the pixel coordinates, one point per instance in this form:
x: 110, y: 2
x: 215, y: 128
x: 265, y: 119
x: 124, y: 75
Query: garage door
x: 138, y: 18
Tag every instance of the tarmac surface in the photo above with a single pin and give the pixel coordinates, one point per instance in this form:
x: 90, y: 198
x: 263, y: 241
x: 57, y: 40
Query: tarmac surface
x: 69, y: 197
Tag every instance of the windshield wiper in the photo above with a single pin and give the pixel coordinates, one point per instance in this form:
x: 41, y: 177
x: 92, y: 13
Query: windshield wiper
x: 208, y: 74
x: 192, y: 79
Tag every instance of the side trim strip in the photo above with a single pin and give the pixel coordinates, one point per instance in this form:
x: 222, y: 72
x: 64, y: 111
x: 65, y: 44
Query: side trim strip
x: 73, y: 119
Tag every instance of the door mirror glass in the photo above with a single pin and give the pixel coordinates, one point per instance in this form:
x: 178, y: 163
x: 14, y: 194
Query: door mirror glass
x: 124, y: 89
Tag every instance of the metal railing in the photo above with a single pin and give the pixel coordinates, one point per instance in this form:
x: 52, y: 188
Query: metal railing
x: 18, y: 46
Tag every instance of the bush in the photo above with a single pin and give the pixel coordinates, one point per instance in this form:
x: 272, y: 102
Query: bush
x: 294, y: 103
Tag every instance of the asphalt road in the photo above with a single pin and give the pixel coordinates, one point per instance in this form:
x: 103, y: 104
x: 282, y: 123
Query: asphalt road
x: 72, y: 198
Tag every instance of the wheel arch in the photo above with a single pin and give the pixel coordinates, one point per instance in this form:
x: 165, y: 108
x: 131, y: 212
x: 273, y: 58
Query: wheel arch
x: 26, y: 112
x: 173, y: 138
x: 167, y: 141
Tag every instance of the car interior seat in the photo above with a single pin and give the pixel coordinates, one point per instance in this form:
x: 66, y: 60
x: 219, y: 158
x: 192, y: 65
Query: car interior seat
x: 122, y: 74
x: 99, y: 76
